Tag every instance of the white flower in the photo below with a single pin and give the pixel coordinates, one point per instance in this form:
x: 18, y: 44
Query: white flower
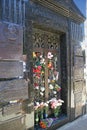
x: 42, y: 89
x: 41, y: 103
x: 50, y: 86
x: 42, y: 61
x: 54, y: 92
x: 61, y: 101
x: 41, y: 56
x: 37, y: 103
x: 49, y: 55
x: 41, y: 93
x: 37, y: 87
x: 59, y: 104
x: 46, y: 104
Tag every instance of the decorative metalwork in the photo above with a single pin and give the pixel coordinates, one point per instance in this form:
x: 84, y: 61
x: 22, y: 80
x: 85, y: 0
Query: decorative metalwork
x: 38, y: 40
x: 46, y: 76
x: 45, y: 40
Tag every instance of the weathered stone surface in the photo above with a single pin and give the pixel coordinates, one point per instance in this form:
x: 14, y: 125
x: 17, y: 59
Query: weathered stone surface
x: 17, y: 123
x: 78, y: 86
x: 77, y: 50
x: 40, y: 16
x: 10, y: 109
x: 13, y: 90
x: 11, y: 41
x: 78, y: 97
x: 11, y: 69
x: 76, y: 32
x: 78, y: 73
x: 78, y: 104
x: 78, y: 109
x: 78, y: 61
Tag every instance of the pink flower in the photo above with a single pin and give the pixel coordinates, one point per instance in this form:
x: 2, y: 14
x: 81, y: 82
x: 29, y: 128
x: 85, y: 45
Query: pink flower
x: 55, y: 103
x: 49, y: 55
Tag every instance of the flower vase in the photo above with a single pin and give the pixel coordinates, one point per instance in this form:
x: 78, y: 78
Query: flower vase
x: 41, y: 115
x: 36, y: 118
x: 45, y: 114
x: 56, y: 112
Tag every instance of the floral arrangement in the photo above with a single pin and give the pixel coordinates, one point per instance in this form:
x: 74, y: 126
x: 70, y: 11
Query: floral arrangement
x: 44, y: 109
x: 41, y: 106
x: 46, y: 123
x: 57, y: 88
x: 41, y: 111
x: 38, y: 106
x: 55, y: 105
x: 46, y: 106
x: 38, y: 111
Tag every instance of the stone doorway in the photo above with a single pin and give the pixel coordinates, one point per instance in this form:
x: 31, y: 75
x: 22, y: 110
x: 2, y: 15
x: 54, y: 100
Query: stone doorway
x: 49, y: 75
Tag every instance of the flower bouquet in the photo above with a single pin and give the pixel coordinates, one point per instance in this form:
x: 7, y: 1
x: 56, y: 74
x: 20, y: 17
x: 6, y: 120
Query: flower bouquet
x: 45, y: 123
x: 39, y: 110
x: 55, y: 106
x: 36, y: 109
x: 46, y: 108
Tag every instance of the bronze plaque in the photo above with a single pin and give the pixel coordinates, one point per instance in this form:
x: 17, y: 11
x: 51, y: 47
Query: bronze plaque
x: 10, y: 69
x: 13, y: 90
x: 78, y: 50
x: 78, y: 61
x: 11, y: 41
x: 78, y: 86
x: 78, y: 73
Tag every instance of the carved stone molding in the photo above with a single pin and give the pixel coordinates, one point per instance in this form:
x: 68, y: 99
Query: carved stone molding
x: 48, y: 16
x: 61, y: 9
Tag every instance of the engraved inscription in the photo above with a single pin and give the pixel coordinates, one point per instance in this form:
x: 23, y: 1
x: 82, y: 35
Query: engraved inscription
x: 10, y: 69
x: 13, y: 90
